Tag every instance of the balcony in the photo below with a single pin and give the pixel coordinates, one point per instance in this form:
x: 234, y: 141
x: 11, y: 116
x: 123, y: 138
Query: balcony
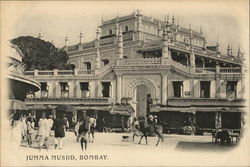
x: 138, y: 62
x: 72, y: 101
x: 206, y: 102
x: 221, y: 70
x: 60, y: 73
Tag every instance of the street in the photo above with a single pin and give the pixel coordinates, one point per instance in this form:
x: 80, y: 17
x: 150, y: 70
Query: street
x: 110, y: 149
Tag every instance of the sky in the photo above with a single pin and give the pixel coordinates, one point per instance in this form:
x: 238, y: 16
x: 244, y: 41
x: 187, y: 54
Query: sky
x: 225, y: 21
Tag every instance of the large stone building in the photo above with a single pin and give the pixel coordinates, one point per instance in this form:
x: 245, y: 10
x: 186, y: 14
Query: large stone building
x: 138, y: 65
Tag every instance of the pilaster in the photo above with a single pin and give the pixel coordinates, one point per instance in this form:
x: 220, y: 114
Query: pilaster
x: 164, y: 90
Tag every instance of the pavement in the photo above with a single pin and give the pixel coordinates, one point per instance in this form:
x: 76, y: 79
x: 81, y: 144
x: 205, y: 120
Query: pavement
x: 110, y: 149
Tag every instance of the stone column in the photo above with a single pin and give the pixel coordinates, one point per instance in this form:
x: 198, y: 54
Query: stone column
x: 243, y: 84
x: 217, y: 84
x: 111, y: 90
x: 98, y: 58
x: 192, y: 61
x: 164, y: 90
x: 139, y: 20
x: 192, y: 87
x: 74, y: 88
x: 203, y: 62
x: 218, y: 123
x: 118, y: 87
x: 165, y: 53
x: 66, y: 43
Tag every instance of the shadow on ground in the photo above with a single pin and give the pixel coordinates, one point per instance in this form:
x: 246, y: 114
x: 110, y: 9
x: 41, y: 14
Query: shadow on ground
x: 201, y: 146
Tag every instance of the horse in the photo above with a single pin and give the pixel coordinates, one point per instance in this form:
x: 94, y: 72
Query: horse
x: 145, y: 128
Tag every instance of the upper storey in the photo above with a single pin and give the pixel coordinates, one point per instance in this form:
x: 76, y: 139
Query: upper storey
x: 137, y: 27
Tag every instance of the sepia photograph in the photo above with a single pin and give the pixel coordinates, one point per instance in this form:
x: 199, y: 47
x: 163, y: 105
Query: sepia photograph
x: 125, y: 83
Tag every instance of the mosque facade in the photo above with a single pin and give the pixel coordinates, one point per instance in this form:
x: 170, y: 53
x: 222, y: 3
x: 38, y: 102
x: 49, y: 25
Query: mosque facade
x: 139, y: 65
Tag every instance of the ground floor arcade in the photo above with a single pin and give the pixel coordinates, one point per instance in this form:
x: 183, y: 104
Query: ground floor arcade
x: 202, y: 121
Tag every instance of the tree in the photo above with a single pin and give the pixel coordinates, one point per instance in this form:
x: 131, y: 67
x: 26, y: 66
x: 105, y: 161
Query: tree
x: 40, y: 54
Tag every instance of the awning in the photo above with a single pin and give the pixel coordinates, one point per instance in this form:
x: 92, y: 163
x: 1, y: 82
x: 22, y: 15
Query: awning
x: 159, y: 108
x: 96, y: 108
x: 195, y: 109
x: 14, y: 104
x: 122, y: 109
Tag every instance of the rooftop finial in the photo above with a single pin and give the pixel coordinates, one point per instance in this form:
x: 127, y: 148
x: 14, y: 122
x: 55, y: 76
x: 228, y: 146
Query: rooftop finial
x: 190, y: 27
x: 66, y: 40
x: 173, y: 19
x: 239, y: 52
x: 81, y: 36
x: 231, y: 50
x: 217, y: 45
x: 228, y: 50
x: 201, y: 32
x: 40, y: 35
x: 178, y: 24
x: 168, y: 18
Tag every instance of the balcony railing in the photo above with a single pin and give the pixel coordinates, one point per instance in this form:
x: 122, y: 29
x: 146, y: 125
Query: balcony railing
x: 135, y: 62
x: 139, y: 61
x: 222, y: 70
x: 44, y: 73
x: 60, y: 73
x: 101, y: 100
x: 65, y: 72
x: 86, y: 72
x: 230, y: 70
x: 205, y: 70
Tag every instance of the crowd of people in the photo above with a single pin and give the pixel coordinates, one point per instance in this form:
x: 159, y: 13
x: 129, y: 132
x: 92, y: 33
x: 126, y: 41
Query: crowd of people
x: 23, y: 127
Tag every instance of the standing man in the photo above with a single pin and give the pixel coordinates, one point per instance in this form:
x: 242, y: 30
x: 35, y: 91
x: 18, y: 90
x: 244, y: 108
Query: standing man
x: 82, y: 128
x: 50, y: 123
x: 42, y: 131
x: 59, y: 127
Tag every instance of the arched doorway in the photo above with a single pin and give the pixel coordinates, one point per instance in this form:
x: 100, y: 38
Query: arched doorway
x: 143, y: 94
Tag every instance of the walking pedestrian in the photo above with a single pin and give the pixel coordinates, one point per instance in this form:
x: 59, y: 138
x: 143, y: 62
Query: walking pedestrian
x: 16, y: 130
x: 50, y: 123
x: 59, y: 127
x: 42, y: 131
x: 92, y: 126
x: 82, y: 128
x: 30, y: 129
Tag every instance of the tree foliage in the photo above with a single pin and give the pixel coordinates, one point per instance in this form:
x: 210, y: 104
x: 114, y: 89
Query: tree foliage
x: 40, y: 54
